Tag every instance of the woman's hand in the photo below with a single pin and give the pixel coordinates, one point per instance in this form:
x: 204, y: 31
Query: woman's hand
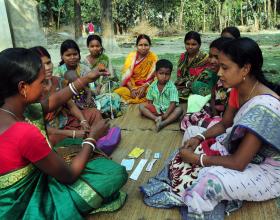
x: 80, y: 133
x: 85, y: 125
x: 99, y: 129
x: 188, y: 156
x: 134, y: 93
x: 141, y: 91
x: 192, y: 143
x: 95, y: 74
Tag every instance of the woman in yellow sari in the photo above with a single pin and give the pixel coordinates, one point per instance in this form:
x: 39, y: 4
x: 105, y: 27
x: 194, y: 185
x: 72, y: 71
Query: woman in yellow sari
x: 138, y: 72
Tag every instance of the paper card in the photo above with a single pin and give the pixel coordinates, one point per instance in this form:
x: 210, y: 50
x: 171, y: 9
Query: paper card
x: 150, y: 165
x: 157, y: 155
x: 128, y: 164
x: 136, y: 173
x: 136, y: 152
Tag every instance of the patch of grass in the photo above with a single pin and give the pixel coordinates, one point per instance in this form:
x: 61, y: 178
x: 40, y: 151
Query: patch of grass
x: 171, y: 47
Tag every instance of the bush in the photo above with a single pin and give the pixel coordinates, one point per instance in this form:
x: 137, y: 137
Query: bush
x: 144, y: 28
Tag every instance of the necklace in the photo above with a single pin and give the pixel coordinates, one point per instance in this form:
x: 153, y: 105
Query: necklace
x: 11, y: 113
x: 251, y: 92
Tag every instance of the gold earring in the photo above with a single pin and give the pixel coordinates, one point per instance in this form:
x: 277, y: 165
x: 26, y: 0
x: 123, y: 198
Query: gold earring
x: 24, y: 94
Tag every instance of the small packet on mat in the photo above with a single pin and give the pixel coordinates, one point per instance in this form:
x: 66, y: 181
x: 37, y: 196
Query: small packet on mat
x: 128, y: 164
x: 136, y: 152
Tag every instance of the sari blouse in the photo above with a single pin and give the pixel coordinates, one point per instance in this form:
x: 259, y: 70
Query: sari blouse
x: 233, y: 98
x: 21, y: 144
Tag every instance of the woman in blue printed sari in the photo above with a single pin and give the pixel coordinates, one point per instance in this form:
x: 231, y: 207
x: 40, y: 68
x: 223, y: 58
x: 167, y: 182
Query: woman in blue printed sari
x: 247, y: 141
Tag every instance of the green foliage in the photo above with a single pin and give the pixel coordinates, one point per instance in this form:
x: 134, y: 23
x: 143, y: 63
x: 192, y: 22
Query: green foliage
x: 126, y: 13
x: 52, y: 10
x: 91, y: 11
x: 196, y: 14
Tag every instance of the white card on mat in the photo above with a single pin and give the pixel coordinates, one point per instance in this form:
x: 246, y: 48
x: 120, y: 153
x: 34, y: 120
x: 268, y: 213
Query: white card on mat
x: 150, y: 165
x: 135, y: 174
x: 128, y: 164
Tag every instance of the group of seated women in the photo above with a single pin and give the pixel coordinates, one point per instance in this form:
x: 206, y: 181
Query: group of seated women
x: 220, y: 163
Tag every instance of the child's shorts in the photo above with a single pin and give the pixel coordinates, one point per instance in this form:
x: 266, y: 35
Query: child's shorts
x: 152, y: 109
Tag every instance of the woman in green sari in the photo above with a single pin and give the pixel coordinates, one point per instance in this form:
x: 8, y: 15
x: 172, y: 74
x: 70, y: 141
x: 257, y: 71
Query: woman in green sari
x: 103, y: 88
x: 35, y: 183
x: 191, y: 64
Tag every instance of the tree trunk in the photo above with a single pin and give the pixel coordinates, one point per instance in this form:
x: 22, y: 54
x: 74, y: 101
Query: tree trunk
x: 181, y: 14
x: 204, y: 18
x: 78, y: 19
x: 241, y: 13
x: 275, y: 12
x: 220, y: 17
x: 268, y: 13
x: 107, y: 28
x: 58, y: 19
x: 229, y: 17
x: 256, y: 21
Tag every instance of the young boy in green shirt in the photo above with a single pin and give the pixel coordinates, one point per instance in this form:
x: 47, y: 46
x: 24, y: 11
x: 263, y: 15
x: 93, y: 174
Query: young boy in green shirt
x: 163, y: 100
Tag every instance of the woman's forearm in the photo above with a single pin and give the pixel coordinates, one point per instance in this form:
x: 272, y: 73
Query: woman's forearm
x: 56, y: 131
x: 214, y: 131
x: 75, y: 111
x: 62, y: 96
x: 224, y: 161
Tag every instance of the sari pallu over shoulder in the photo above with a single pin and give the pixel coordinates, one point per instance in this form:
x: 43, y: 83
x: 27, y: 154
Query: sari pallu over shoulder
x: 261, y: 116
x: 195, y: 67
x: 28, y: 193
x: 141, y: 72
x: 259, y: 181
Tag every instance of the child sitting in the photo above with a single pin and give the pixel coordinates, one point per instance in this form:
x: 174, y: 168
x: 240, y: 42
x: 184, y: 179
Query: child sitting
x: 162, y: 96
x: 84, y: 98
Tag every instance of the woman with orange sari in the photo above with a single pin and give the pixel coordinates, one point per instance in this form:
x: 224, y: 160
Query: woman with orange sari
x: 138, y: 72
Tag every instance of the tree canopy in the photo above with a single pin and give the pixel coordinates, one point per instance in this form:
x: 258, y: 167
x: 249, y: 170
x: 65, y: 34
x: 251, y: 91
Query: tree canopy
x: 199, y: 15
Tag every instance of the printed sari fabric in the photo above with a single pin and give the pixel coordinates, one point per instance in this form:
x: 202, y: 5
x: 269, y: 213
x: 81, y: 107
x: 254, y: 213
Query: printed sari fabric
x: 110, y: 104
x: 260, y: 179
x: 103, y: 81
x: 187, y: 72
x: 204, y: 83
x: 210, y: 185
x: 165, y: 190
x: 205, y: 117
x: 137, y: 74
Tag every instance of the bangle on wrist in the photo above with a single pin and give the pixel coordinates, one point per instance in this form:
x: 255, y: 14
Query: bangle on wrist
x: 201, y: 135
x: 201, y: 160
x: 90, y: 139
x: 73, y: 89
x: 89, y: 143
x: 74, y: 134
